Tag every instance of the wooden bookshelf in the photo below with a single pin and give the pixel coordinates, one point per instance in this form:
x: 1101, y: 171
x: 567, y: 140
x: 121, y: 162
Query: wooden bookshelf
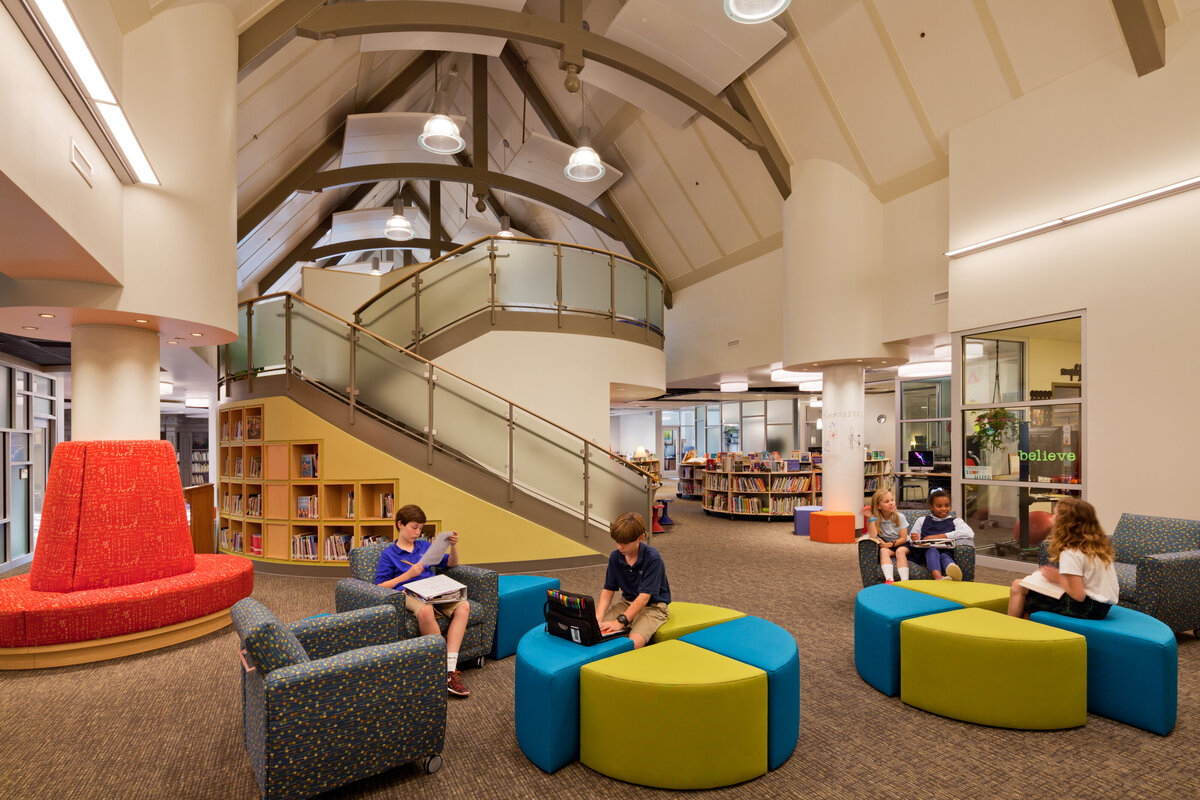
x: 877, y: 473
x: 265, y: 485
x: 691, y: 482
x: 649, y: 463
x: 749, y: 487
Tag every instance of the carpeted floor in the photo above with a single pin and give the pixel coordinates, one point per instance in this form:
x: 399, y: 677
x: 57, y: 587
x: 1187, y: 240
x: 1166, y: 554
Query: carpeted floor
x: 167, y: 724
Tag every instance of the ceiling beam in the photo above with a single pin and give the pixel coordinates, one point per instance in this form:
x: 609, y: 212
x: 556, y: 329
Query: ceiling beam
x: 550, y: 117
x: 373, y: 173
x: 1145, y: 33
x: 306, y: 244
x: 350, y: 19
x: 278, y: 194
x: 365, y: 245
x: 267, y: 36
x: 742, y: 99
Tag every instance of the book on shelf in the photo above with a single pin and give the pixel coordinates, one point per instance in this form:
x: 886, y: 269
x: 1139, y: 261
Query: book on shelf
x: 1037, y: 582
x: 237, y: 430
x: 387, y: 505
x: 237, y: 467
x: 337, y: 546
x: 372, y: 539
x: 255, y: 466
x: 256, y: 544
x: 254, y: 505
x: 308, y: 465
x: 304, y: 547
x: 350, y: 504
x: 254, y: 427
x: 306, y: 507
x: 438, y: 589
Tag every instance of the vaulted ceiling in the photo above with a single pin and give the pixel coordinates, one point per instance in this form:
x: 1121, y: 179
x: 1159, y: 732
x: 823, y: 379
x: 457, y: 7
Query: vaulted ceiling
x: 874, y: 85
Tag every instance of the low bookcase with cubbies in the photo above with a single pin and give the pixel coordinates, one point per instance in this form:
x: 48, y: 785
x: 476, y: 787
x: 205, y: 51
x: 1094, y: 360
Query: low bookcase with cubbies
x: 276, y: 503
x: 753, y: 487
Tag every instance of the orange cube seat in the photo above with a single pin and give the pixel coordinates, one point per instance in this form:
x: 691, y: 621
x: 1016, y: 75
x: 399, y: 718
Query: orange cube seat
x: 833, y: 527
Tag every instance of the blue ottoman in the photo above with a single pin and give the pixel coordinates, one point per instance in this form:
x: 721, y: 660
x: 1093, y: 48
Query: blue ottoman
x: 802, y: 513
x: 522, y: 599
x: 878, y: 612
x: 765, y: 645
x: 1132, y: 666
x: 546, y: 698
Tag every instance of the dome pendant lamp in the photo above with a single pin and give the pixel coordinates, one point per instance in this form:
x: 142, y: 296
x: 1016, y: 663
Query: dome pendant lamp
x: 505, y: 228
x: 398, y: 228
x: 584, y: 165
x: 753, y: 11
x: 441, y: 134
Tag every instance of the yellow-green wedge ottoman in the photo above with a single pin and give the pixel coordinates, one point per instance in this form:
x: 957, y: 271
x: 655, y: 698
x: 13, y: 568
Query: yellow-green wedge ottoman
x: 673, y: 716
x: 993, y: 669
x: 685, y: 618
x: 968, y: 594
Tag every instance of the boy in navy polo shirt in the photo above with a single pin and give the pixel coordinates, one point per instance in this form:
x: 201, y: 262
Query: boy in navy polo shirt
x: 636, y: 569
x: 400, y: 563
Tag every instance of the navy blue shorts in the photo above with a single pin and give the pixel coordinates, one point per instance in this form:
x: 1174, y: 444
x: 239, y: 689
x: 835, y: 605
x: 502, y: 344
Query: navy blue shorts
x: 1087, y: 608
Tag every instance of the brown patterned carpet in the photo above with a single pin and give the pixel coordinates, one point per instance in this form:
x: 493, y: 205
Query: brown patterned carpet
x: 167, y: 724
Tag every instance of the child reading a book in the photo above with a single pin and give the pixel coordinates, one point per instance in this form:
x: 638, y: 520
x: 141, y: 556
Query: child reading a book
x: 636, y: 592
x: 400, y: 563
x: 1085, y: 570
x: 939, y: 526
x: 889, y: 529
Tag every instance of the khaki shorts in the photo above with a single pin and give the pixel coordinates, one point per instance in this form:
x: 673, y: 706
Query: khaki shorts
x: 648, y: 620
x: 445, y: 609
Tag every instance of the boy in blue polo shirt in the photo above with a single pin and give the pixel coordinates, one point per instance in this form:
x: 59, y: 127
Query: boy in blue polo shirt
x: 636, y: 569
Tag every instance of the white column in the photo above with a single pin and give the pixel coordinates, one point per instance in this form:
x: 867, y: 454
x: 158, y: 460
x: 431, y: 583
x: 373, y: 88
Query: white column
x: 842, y: 440
x: 114, y: 383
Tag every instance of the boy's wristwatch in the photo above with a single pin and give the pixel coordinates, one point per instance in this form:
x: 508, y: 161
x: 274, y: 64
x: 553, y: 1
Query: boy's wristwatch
x: 624, y: 620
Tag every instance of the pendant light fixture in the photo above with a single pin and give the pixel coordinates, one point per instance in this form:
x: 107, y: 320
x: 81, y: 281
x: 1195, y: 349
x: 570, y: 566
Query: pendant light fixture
x: 398, y: 228
x: 375, y: 266
x: 754, y: 11
x: 505, y: 229
x: 441, y: 134
x: 585, y: 165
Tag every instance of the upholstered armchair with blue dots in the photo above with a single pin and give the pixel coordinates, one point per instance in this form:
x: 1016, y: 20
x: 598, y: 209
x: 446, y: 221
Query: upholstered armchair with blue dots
x: 360, y: 591
x: 1158, y: 568
x: 336, y: 698
x: 868, y: 557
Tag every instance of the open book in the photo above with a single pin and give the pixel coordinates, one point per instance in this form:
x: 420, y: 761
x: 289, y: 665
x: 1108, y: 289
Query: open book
x: 1037, y: 582
x: 438, y: 589
x: 944, y: 544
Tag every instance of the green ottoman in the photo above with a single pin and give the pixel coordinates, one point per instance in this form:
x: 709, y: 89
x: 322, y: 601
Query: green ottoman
x: 673, y: 716
x: 993, y: 669
x: 684, y: 618
x: 968, y: 594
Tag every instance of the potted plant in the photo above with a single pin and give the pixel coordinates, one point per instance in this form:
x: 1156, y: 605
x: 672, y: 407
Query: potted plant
x: 995, y: 426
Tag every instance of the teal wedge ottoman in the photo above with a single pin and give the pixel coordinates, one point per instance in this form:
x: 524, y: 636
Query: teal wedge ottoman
x: 546, y: 701
x: 763, y: 644
x: 1132, y: 666
x: 878, y: 612
x: 521, y: 604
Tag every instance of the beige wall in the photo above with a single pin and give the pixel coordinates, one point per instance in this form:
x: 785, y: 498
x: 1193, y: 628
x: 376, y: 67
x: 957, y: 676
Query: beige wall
x: 914, y: 240
x: 339, y: 292
x: 1093, y: 137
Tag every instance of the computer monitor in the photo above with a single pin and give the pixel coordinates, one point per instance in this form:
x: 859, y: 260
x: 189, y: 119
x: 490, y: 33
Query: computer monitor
x: 920, y: 459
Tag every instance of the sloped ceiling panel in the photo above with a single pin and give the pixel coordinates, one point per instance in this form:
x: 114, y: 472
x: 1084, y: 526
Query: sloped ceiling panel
x: 1047, y: 40
x: 367, y: 223
x: 541, y: 160
x: 389, y: 138
x: 642, y: 95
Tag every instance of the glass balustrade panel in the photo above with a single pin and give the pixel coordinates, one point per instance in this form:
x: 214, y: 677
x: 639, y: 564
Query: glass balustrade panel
x: 630, y: 290
x: 392, y: 384
x: 320, y: 349
x: 656, y: 302
x: 269, y: 328
x: 526, y: 275
x: 237, y: 350
x: 471, y: 422
x: 587, y: 281
x: 455, y: 289
x: 393, y: 316
x: 614, y: 488
x: 548, y: 462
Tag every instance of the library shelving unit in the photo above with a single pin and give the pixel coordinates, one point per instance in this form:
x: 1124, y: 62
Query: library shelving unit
x: 277, y: 505
x: 648, y: 463
x: 762, y: 489
x: 691, y: 482
x: 877, y: 472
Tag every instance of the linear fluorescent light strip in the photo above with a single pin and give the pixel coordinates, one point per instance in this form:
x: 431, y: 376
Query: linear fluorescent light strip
x: 79, y: 55
x: 1071, y: 219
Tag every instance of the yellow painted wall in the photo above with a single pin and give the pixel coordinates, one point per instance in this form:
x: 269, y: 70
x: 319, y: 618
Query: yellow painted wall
x: 489, y: 534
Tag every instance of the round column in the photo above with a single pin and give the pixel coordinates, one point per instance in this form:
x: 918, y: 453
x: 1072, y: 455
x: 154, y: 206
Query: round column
x: 114, y: 383
x: 842, y: 440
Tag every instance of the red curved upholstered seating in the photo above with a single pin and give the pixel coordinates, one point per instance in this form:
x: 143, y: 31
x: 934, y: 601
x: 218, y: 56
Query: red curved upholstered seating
x: 114, y: 553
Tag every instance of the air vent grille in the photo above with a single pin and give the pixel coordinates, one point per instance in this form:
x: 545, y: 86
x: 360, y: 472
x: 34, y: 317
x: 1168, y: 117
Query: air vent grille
x: 941, y: 297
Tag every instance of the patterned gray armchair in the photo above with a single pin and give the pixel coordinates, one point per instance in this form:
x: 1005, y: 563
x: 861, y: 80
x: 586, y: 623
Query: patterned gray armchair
x: 1158, y: 568
x: 360, y: 591
x: 311, y: 687
x: 868, y: 558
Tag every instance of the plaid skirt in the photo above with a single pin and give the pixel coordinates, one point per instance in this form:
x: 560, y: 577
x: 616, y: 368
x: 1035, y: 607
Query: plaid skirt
x: 1087, y: 608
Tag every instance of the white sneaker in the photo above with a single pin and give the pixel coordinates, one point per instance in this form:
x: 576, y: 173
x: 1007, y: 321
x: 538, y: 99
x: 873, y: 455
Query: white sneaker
x: 953, y: 571
x: 945, y: 578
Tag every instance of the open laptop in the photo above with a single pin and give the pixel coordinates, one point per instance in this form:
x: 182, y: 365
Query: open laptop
x: 573, y: 616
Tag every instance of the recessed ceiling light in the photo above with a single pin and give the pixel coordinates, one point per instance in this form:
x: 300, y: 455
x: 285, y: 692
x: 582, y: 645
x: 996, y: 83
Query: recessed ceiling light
x: 143, y: 321
x: 29, y: 327
x: 172, y: 342
x: 46, y: 316
x: 197, y: 334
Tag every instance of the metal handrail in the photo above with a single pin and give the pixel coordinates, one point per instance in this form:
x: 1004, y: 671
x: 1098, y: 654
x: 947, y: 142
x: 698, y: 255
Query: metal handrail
x: 414, y: 282
x: 356, y: 331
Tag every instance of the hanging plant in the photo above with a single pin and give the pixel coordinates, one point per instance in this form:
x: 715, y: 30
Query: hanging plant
x: 994, y: 427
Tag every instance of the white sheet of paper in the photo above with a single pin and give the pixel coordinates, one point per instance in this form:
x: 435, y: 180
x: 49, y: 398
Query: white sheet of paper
x: 433, y: 555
